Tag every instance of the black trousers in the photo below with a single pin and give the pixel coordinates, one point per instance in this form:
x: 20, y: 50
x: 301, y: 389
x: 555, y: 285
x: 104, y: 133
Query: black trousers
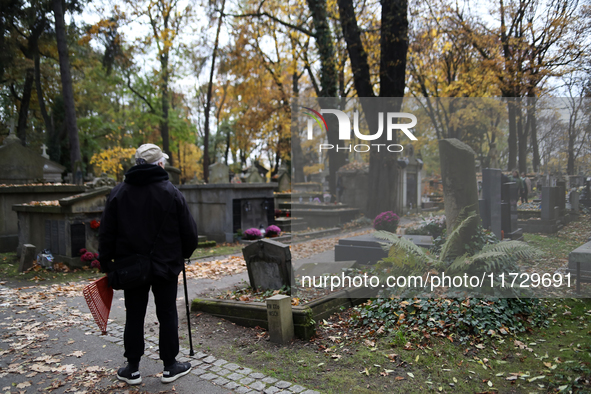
x: 136, y: 303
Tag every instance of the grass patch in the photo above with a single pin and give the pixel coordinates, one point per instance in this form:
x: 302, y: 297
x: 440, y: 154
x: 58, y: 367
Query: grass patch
x: 9, y: 272
x: 219, y: 250
x: 554, y: 359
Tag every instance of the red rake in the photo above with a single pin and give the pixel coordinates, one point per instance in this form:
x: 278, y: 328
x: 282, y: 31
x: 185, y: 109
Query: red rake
x: 99, y: 296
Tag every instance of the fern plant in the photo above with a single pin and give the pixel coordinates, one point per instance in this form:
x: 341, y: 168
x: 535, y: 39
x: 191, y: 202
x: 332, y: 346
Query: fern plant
x: 405, y: 258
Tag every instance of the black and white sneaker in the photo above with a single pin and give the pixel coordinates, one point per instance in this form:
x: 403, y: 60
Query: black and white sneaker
x: 129, y: 374
x: 175, y: 371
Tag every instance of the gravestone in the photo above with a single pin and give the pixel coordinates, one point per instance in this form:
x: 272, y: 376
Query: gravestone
x: 491, y: 195
x: 283, y: 179
x: 269, y: 264
x: 18, y: 164
x: 253, y: 176
x: 52, y: 171
x: 219, y: 173
x: 579, y: 263
x: 549, y: 203
x: 28, y: 255
x: 510, y: 195
x: 458, y: 175
x: 573, y: 199
x: 44, y: 154
x: 280, y: 318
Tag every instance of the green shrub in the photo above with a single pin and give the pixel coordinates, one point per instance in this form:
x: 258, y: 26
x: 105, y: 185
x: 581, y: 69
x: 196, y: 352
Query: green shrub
x: 207, y: 244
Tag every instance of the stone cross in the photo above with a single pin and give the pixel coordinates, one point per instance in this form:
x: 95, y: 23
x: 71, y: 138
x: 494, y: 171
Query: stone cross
x: 44, y: 154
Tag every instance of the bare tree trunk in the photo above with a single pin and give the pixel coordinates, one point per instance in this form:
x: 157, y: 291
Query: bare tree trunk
x: 67, y: 89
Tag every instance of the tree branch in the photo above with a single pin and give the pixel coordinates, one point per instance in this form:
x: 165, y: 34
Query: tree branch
x: 273, y: 18
x: 139, y: 95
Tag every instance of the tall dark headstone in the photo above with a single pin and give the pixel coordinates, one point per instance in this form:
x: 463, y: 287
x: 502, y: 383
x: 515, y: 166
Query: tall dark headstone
x: 510, y: 195
x: 491, y: 193
x: 458, y: 175
x: 549, y: 202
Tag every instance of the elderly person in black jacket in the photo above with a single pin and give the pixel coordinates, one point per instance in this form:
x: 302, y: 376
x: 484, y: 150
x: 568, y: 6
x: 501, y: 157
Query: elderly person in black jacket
x: 147, y: 213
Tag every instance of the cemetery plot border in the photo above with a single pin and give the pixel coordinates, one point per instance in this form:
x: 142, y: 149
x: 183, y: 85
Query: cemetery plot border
x: 254, y: 314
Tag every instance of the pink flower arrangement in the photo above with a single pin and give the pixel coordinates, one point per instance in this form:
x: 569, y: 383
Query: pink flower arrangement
x: 387, y: 221
x: 253, y: 233
x: 95, y: 264
x: 95, y: 224
x: 272, y: 230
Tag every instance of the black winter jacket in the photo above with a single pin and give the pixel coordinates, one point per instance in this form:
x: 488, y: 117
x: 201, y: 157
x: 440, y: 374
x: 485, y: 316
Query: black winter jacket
x: 134, y: 212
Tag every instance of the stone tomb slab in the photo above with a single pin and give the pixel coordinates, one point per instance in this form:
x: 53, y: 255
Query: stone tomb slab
x: 367, y: 249
x: 581, y: 255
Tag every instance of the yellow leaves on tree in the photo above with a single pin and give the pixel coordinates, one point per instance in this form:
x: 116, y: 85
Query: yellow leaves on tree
x: 110, y: 161
x: 189, y: 158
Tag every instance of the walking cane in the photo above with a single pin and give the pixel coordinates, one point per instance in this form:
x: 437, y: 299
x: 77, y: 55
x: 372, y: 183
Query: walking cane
x: 192, y: 353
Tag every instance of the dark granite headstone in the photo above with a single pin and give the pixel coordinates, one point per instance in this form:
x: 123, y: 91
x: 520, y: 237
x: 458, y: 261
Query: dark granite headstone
x: 549, y: 202
x: 269, y: 264
x: 513, y: 197
x: 491, y: 193
x: 506, y: 218
x: 27, y: 257
x: 484, y: 213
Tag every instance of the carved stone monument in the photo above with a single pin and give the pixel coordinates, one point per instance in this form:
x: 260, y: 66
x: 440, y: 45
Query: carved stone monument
x: 219, y: 173
x: 269, y: 264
